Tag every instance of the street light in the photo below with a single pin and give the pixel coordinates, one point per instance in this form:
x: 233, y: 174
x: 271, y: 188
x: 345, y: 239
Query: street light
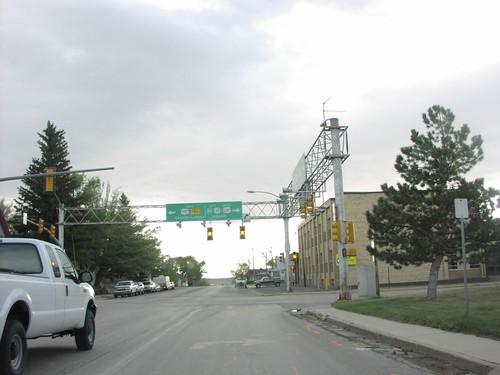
x: 283, y: 199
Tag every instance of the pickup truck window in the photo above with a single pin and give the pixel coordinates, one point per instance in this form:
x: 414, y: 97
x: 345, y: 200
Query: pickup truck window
x: 20, y: 258
x: 53, y: 261
x: 68, y: 268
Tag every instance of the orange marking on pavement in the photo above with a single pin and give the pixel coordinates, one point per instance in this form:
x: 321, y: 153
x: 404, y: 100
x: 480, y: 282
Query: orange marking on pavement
x: 339, y: 344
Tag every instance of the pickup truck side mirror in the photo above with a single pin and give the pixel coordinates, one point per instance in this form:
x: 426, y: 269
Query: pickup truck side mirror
x: 86, y: 277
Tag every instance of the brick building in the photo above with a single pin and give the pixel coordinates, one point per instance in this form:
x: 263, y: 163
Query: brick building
x: 318, y: 264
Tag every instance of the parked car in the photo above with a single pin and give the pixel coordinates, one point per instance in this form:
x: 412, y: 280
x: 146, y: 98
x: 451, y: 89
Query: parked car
x: 125, y: 288
x: 140, y: 287
x: 149, y: 286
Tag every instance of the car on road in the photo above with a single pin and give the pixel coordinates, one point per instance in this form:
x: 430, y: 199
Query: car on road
x: 125, y: 288
x: 266, y: 280
x: 149, y: 286
x: 140, y: 287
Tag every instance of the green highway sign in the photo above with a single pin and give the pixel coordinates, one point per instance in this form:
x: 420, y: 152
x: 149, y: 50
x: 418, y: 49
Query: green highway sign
x: 204, y: 211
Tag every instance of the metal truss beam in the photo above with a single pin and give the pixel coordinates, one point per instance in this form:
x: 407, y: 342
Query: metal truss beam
x: 137, y: 214
x: 114, y: 215
x: 319, y: 166
x: 261, y: 210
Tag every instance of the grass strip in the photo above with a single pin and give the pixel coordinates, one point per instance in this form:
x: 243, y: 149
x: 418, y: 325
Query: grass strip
x: 447, y: 312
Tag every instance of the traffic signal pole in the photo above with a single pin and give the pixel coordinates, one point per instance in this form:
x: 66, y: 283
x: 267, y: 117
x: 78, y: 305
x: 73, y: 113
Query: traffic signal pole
x: 286, y: 219
x: 337, y: 157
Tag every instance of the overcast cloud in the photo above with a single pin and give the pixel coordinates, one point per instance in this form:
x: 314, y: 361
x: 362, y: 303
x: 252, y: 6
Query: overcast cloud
x: 200, y: 101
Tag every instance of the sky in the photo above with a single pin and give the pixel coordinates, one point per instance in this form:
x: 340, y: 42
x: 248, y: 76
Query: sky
x: 201, y: 101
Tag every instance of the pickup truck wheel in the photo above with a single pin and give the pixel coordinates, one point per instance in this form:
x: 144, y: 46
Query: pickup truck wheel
x: 257, y: 286
x: 85, y: 336
x: 277, y: 284
x: 13, y: 349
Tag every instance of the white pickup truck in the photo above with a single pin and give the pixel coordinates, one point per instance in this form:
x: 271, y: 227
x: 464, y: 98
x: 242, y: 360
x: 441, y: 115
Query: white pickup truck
x: 41, y: 295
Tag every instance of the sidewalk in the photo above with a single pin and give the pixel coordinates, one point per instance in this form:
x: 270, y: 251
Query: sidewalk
x: 471, y: 353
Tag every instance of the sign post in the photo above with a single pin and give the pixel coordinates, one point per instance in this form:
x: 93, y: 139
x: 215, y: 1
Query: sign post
x: 462, y: 212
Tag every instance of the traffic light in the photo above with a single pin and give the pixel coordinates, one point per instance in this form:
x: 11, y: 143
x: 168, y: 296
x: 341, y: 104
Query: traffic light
x: 295, y: 256
x: 49, y: 181
x: 310, y: 203
x: 40, y: 225
x: 210, y: 234
x: 303, y: 210
x: 282, y: 257
x: 349, y: 232
x: 242, y: 232
x: 52, y: 231
x: 336, y: 232
x: 292, y: 267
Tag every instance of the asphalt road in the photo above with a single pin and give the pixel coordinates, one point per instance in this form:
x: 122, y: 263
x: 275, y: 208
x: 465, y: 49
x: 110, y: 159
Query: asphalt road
x: 215, y: 330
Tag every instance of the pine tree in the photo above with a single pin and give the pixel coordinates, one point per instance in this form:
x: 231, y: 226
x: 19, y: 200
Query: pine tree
x: 414, y: 222
x: 32, y: 197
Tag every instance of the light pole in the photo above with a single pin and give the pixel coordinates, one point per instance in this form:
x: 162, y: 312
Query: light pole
x: 283, y: 199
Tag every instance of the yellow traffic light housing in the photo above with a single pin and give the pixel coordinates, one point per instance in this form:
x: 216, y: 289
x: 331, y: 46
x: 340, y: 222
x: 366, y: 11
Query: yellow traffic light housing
x: 242, y: 232
x: 295, y: 256
x: 49, y: 181
x: 310, y: 203
x: 282, y: 257
x: 40, y: 225
x: 336, y: 231
x: 349, y: 232
x: 303, y: 210
x: 52, y: 231
x: 210, y: 234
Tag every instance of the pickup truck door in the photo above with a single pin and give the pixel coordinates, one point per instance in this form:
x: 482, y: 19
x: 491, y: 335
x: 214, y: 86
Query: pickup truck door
x: 59, y: 291
x: 75, y: 298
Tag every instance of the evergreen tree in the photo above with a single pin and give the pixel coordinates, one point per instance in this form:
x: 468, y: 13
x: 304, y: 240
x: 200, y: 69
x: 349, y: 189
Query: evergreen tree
x: 414, y: 223
x: 32, y: 197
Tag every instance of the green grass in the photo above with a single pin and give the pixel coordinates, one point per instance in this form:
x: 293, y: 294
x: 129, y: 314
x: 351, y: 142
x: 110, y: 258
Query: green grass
x: 447, y: 312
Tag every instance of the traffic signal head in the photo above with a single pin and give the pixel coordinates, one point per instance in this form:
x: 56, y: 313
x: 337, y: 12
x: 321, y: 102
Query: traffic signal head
x: 336, y: 231
x: 40, y: 225
x: 295, y: 256
x: 303, y: 210
x: 210, y: 234
x: 310, y: 203
x: 49, y: 181
x: 52, y: 231
x: 349, y: 232
x: 282, y: 257
x: 242, y: 232
x: 292, y: 267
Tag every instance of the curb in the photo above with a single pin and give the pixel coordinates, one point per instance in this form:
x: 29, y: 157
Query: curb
x: 477, y: 366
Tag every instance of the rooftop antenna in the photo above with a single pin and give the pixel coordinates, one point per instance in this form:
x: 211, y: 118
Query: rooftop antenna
x: 324, y: 118
x: 324, y: 111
